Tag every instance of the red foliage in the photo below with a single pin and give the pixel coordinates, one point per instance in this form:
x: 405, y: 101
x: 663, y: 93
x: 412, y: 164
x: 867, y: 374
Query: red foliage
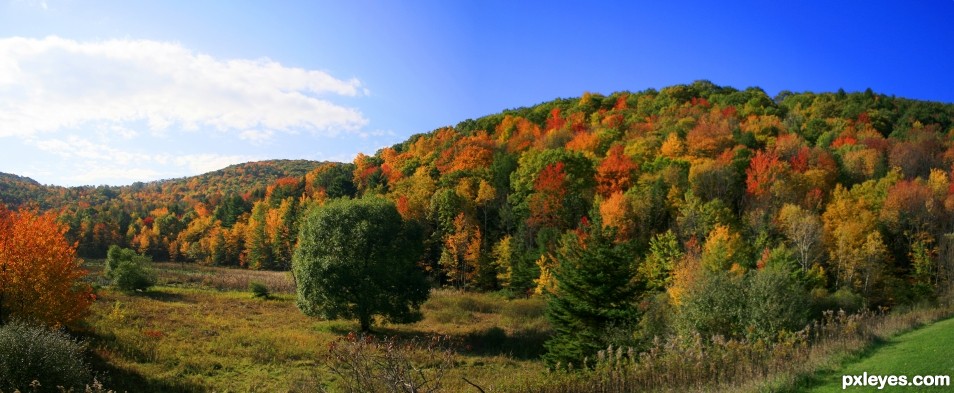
x: 546, y: 203
x: 621, y: 102
x: 845, y: 140
x: 763, y: 171
x: 555, y: 121
x: 616, y: 172
x: 799, y: 161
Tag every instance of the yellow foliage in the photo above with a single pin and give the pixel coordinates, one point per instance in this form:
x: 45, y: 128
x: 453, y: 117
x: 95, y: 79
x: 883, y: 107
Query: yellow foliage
x: 546, y: 283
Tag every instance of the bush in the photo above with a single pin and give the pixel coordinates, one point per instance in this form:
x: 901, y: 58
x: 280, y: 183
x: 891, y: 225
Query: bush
x: 259, y: 290
x: 131, y: 276
x: 34, y: 353
x: 117, y: 255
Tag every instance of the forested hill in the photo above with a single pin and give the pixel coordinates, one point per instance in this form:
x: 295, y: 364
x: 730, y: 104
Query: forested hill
x: 853, y: 190
x: 250, y: 177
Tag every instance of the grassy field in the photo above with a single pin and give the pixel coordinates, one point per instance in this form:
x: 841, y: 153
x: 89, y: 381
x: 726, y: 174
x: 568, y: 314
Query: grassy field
x: 200, y: 329
x: 925, y: 351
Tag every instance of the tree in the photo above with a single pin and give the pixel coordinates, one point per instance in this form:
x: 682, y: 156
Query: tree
x: 258, y: 251
x: 356, y: 259
x: 616, y: 173
x: 128, y: 271
x: 461, y: 252
x: 855, y: 246
x: 39, y: 272
x: 595, y: 292
x: 804, y: 231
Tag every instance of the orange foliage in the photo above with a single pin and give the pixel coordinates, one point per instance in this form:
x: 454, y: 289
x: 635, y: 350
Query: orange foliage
x: 555, y: 121
x: 546, y: 203
x: 616, y: 172
x: 621, y: 102
x: 468, y: 154
x: 711, y: 135
x: 583, y: 142
x: 39, y: 272
x: 617, y: 212
x: 518, y: 133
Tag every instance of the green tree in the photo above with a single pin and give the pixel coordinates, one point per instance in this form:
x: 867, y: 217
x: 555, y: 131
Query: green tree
x: 356, y: 259
x: 128, y: 270
x: 595, y: 292
x: 258, y: 251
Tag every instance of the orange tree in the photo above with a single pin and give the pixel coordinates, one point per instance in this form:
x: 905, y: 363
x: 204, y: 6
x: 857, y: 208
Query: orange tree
x: 39, y: 273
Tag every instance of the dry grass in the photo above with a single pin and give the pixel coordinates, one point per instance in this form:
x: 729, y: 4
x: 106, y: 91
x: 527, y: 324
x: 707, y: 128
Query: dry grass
x: 201, y: 330
x: 789, y: 364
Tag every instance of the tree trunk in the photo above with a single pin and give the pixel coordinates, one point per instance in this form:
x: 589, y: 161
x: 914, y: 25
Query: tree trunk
x: 365, y: 321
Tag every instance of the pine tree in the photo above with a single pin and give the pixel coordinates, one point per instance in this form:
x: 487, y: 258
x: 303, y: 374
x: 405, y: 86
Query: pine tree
x: 595, y: 292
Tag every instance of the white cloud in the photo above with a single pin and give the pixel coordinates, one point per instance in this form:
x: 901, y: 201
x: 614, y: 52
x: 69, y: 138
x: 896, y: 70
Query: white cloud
x: 101, y: 163
x: 106, y: 174
x: 131, y: 86
x: 202, y: 163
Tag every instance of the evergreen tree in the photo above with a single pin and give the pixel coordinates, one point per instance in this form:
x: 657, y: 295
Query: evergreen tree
x: 596, y: 292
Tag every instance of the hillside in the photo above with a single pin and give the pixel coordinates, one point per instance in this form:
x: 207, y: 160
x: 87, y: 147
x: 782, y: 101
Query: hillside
x: 699, y: 166
x: 17, y: 190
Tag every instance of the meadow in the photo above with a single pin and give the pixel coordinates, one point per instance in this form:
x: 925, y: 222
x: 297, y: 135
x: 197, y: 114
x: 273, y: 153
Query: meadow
x: 200, y: 329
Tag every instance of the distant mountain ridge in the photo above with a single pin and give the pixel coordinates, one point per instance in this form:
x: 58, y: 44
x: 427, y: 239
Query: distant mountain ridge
x: 16, y: 190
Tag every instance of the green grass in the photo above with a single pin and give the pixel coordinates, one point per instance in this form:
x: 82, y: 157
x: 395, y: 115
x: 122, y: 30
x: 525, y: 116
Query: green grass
x: 193, y: 333
x: 925, y: 351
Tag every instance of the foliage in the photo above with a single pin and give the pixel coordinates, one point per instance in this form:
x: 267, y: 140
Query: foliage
x: 356, y: 259
x: 595, y: 292
x: 39, y: 273
x: 259, y: 290
x: 129, y: 271
x: 31, y: 352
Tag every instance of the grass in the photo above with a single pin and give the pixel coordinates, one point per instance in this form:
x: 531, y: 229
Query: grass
x: 197, y: 331
x: 201, y: 329
x: 925, y: 351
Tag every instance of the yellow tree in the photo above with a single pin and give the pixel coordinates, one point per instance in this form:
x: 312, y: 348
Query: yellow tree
x: 461, y: 252
x: 39, y: 272
x: 855, y: 246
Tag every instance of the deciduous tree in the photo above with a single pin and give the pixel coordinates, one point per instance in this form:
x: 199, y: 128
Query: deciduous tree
x: 357, y: 259
x: 39, y: 272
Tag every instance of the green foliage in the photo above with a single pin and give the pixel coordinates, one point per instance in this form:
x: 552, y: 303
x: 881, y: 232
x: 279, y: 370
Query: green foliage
x: 34, y: 353
x: 664, y: 252
x: 259, y: 290
x: 759, y: 304
x: 128, y: 270
x: 595, y: 294
x: 714, y: 304
x: 776, y: 302
x: 356, y: 259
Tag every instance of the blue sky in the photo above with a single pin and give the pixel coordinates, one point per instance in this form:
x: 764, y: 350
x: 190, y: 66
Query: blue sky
x: 107, y: 92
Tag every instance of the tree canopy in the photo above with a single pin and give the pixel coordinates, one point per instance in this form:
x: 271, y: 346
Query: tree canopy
x: 357, y: 259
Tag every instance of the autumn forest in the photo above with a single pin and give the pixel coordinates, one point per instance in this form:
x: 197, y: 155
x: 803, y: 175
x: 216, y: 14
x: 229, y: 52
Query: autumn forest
x: 696, y: 209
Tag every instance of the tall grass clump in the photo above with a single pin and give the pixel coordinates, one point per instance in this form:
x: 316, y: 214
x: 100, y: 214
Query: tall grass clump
x: 693, y: 363
x: 364, y: 363
x: 30, y: 353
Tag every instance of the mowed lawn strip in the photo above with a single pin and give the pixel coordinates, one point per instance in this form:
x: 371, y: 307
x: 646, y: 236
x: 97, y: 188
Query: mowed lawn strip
x: 925, y: 351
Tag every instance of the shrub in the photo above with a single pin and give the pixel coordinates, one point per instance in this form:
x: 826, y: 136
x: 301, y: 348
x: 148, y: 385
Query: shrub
x: 131, y: 276
x: 34, y: 353
x: 259, y: 290
x: 117, y: 255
